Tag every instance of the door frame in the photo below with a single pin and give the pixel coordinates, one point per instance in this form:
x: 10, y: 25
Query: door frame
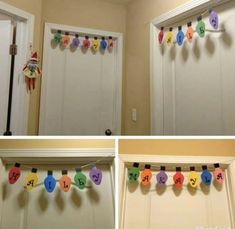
x: 125, y: 161
x: 118, y: 71
x: 21, y: 98
x: 57, y: 156
x: 188, y: 9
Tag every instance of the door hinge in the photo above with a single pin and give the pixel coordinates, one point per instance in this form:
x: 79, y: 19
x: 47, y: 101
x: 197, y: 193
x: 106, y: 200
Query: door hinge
x: 13, y: 49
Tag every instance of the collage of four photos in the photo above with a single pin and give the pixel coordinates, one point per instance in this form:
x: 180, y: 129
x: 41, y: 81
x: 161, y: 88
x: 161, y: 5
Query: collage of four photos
x: 117, y: 114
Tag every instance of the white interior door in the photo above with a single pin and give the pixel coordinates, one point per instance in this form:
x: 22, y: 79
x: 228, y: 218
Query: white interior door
x: 169, y: 208
x: 198, y: 80
x: 20, y: 98
x: 88, y: 209
x: 79, y: 91
x: 5, y: 63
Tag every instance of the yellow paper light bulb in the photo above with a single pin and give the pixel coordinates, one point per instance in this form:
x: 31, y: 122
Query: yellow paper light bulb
x: 95, y: 44
x: 169, y: 37
x: 31, y: 180
x: 193, y: 178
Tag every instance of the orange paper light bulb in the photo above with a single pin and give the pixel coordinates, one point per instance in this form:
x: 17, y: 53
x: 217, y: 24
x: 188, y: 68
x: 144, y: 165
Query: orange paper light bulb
x: 178, y: 178
x: 146, y: 175
x: 189, y: 33
x: 218, y: 174
x: 65, y: 181
x: 65, y: 40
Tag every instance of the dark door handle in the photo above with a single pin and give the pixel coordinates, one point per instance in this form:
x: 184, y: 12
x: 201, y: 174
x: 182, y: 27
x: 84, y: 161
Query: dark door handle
x: 108, y: 132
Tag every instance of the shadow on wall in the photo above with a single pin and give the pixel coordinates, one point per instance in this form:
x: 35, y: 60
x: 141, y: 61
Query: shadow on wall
x: 210, y: 46
x: 160, y: 190
x: 44, y: 198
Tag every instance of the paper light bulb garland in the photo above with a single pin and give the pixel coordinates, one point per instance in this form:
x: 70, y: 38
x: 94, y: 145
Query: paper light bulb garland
x: 190, y: 32
x: 31, y: 180
x: 50, y: 182
x: 201, y: 27
x: 213, y: 19
x: 193, y: 177
x: 161, y: 35
x: 14, y: 174
x: 65, y: 181
x: 180, y: 36
x: 103, y: 43
x: 95, y: 44
x: 95, y: 175
x: 178, y: 178
x: 58, y: 37
x: 86, y: 43
x: 146, y: 175
x: 162, y: 176
x: 76, y: 41
x: 80, y: 179
x: 134, y: 173
x: 169, y: 37
x: 206, y: 176
x: 218, y: 174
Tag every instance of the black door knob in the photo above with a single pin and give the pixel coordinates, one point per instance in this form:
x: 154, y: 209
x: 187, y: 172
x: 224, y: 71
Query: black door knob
x: 108, y: 132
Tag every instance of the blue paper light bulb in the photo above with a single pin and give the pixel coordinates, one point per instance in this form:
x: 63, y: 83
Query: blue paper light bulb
x: 50, y: 182
x: 103, y: 43
x: 180, y: 36
x: 206, y: 176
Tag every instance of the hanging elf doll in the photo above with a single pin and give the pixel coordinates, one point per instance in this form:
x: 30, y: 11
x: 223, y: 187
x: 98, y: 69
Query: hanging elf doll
x: 32, y: 71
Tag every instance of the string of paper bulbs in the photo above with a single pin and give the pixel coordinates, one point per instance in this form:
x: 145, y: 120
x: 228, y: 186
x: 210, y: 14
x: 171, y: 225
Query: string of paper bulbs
x: 146, y: 175
x: 94, y: 43
x: 180, y: 36
x: 65, y: 182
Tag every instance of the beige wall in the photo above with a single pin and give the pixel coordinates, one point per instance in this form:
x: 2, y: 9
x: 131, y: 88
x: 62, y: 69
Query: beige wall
x: 137, y: 82
x: 30, y: 144
x: 178, y: 147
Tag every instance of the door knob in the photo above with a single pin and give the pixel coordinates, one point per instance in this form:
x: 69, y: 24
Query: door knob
x: 108, y: 132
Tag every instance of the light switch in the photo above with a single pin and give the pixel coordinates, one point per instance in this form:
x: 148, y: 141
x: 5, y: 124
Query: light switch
x: 134, y: 115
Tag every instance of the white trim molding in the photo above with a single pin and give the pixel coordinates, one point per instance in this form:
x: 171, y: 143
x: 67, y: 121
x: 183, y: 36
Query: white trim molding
x: 57, y: 156
x: 125, y: 161
x: 180, y: 13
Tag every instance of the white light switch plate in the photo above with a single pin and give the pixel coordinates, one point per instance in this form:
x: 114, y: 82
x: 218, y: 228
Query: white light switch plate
x: 134, y: 115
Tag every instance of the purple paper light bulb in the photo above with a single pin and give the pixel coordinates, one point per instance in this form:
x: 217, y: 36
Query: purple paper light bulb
x: 162, y: 177
x: 95, y: 175
x: 76, y: 41
x: 214, y: 19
